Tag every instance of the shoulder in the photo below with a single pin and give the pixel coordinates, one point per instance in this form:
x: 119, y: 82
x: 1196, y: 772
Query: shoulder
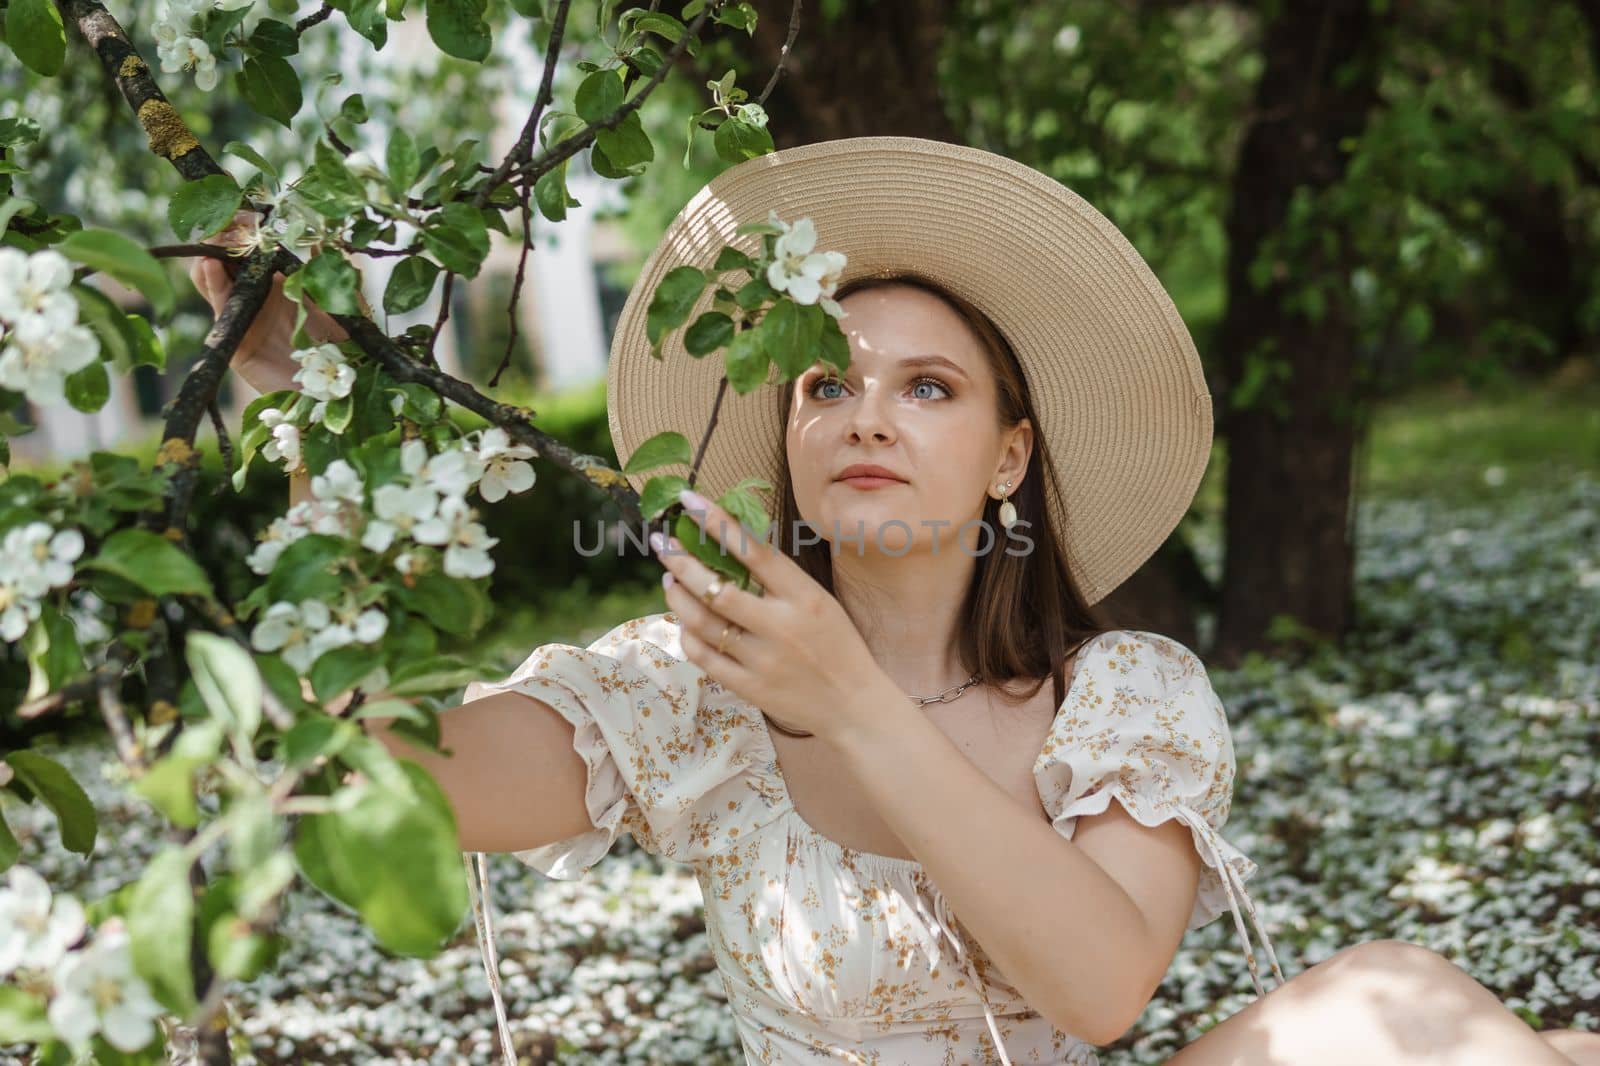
x: 1148, y: 656
x: 657, y: 637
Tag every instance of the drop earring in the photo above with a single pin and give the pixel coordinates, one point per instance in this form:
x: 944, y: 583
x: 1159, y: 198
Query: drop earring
x: 1008, y: 510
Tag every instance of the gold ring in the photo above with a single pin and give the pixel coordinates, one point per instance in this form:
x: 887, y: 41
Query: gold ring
x: 711, y: 591
x: 724, y: 637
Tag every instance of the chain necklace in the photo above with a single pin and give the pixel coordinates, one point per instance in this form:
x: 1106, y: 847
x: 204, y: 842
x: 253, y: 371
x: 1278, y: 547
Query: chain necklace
x: 946, y: 696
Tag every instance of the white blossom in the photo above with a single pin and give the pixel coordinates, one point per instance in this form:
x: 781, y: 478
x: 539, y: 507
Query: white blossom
x: 453, y: 472
x: 806, y: 275
x: 33, y: 559
x: 504, y: 468
x: 285, y: 443
x: 399, y: 509
x: 466, y: 542
x: 98, y: 991
x: 290, y: 629
x: 41, y: 341
x: 324, y: 373
x: 36, y: 928
x: 339, y: 481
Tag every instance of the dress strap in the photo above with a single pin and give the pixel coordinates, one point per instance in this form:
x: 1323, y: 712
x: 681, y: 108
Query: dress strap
x: 478, y: 876
x: 941, y: 915
x: 1234, y: 885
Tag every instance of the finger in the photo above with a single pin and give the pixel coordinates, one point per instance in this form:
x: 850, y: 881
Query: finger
x: 772, y: 569
x: 731, y: 602
x: 705, y: 622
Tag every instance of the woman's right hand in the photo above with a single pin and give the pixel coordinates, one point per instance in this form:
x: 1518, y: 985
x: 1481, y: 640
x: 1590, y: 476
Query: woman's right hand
x: 262, y: 358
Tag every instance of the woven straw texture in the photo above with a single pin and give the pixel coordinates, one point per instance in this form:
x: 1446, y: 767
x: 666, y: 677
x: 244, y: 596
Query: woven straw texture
x: 1113, y: 372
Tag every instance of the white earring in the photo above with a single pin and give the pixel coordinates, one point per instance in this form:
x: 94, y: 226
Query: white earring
x: 1008, y: 510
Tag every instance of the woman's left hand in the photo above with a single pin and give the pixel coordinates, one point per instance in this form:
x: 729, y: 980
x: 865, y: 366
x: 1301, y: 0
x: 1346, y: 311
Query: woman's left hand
x: 793, y: 652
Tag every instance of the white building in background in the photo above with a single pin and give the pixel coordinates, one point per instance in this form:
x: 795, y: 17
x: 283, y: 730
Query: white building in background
x: 565, y: 317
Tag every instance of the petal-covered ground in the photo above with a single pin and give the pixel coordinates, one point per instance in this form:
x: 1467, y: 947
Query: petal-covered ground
x: 1434, y: 781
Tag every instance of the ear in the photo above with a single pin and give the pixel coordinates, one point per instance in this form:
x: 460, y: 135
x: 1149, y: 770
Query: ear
x: 1016, y: 451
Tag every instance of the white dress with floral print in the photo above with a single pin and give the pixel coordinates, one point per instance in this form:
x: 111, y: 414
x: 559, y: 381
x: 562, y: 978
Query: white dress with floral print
x: 840, y: 955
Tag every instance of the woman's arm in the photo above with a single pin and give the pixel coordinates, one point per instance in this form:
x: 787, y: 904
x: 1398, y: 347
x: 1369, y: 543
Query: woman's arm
x: 513, y: 778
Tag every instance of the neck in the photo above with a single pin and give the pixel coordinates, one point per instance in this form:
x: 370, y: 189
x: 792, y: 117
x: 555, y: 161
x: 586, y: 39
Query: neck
x: 907, y: 609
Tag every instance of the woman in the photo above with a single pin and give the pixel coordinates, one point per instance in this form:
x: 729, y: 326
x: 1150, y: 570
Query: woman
x: 868, y: 748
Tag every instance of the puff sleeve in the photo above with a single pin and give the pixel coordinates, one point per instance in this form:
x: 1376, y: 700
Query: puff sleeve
x: 1142, y: 725
x: 668, y: 750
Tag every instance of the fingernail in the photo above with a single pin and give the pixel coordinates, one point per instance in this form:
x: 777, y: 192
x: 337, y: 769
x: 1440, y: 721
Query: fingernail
x: 656, y: 540
x: 693, y: 500
x: 666, y: 580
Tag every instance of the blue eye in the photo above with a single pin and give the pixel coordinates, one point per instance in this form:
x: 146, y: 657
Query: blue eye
x: 831, y: 380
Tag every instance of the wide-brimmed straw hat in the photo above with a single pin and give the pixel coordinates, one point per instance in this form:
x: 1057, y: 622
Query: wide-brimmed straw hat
x: 1114, y: 377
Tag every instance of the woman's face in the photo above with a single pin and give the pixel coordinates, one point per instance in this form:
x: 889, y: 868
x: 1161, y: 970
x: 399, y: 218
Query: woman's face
x: 918, y: 399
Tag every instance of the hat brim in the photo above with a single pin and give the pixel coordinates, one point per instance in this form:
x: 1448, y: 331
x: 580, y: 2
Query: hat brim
x: 1113, y: 373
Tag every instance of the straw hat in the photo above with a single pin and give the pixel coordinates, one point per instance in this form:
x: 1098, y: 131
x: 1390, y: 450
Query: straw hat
x: 1114, y: 376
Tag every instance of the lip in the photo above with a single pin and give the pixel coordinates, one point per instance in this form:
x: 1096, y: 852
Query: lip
x: 865, y: 474
x: 870, y: 482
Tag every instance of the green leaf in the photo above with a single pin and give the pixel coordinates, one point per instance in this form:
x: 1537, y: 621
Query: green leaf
x: 707, y: 333
x: 370, y: 18
x: 441, y: 673
x: 160, y: 925
x: 455, y: 605
x: 56, y: 789
x: 169, y: 783
x: 737, y: 140
x: 54, y: 657
x: 551, y: 194
x: 627, y: 147
x: 341, y: 669
x: 409, y: 284
x: 207, y: 204
x: 660, y: 492
x: 746, y: 361
x: 118, y: 344
x: 229, y: 684
x: 152, y: 562
x: 459, y: 29
x: 36, y: 35
x: 250, y: 155
x: 332, y: 282
x: 22, y: 1017
x: 124, y: 260
x: 270, y: 85
x: 672, y: 301
x: 306, y: 569
x: 704, y: 546
x: 790, y: 334
x: 401, y: 158
x: 663, y: 449
x: 10, y: 850
x: 88, y: 389
x: 599, y: 95
x: 746, y: 507
x: 336, y: 417
x: 392, y: 854
x: 275, y: 38
x: 458, y: 238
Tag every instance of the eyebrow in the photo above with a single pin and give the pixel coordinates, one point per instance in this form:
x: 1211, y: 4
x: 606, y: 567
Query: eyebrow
x: 913, y: 361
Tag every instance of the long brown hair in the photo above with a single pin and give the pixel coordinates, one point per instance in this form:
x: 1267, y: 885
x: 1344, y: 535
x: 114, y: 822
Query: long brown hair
x: 1024, y: 615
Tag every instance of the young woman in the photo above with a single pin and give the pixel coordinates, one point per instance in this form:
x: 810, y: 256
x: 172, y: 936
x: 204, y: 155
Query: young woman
x: 869, y: 748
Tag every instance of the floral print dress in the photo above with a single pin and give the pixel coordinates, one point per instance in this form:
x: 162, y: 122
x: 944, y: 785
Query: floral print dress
x: 833, y: 954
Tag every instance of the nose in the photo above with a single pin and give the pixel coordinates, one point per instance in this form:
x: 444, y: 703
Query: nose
x: 869, y: 418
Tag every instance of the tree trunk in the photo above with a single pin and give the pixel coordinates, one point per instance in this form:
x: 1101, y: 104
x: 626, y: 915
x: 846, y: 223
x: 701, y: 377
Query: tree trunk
x: 1290, y: 545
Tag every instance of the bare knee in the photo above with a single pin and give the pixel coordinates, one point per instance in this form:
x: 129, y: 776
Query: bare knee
x: 1581, y: 1047
x: 1382, y: 960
